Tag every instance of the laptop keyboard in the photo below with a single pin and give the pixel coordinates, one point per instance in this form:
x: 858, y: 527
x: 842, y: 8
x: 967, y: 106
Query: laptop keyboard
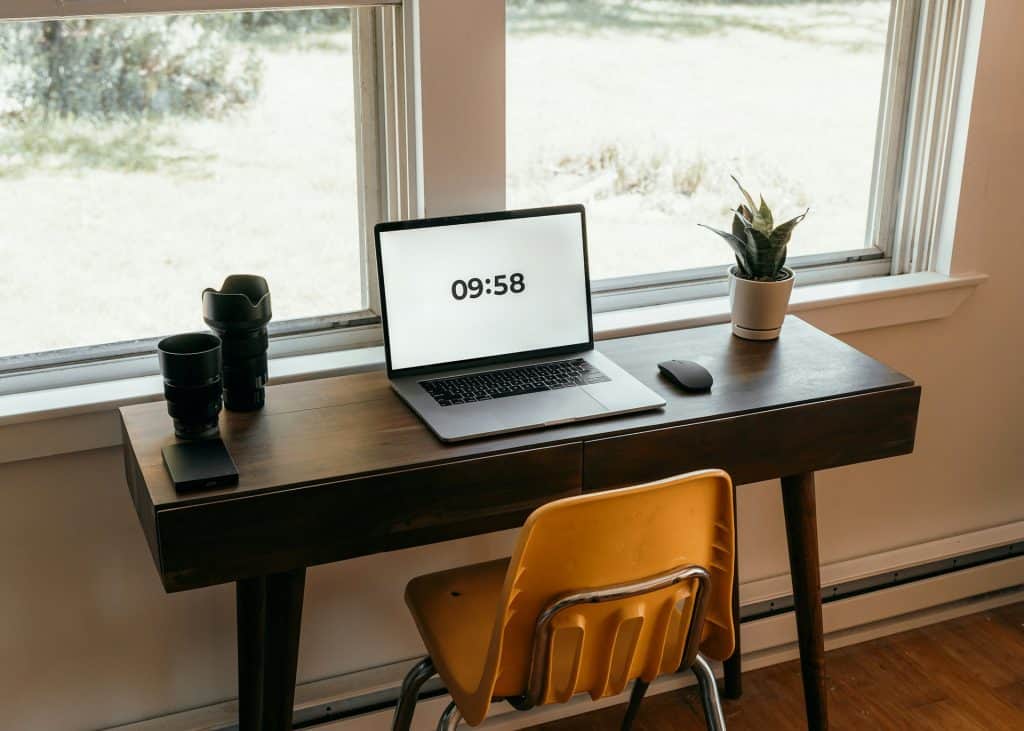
x: 516, y: 381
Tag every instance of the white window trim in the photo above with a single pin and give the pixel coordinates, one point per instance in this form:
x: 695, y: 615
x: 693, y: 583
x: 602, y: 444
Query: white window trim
x: 928, y: 83
x: 49, y: 9
x: 923, y: 118
x: 375, y: 94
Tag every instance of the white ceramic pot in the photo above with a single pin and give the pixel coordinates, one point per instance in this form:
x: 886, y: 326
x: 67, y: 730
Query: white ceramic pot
x: 758, y: 308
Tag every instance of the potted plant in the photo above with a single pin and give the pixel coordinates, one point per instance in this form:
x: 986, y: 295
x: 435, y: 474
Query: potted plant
x: 759, y: 282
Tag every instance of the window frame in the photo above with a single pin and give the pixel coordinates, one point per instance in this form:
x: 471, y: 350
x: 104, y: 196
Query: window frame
x: 61, y: 9
x: 911, y: 187
x: 376, y: 85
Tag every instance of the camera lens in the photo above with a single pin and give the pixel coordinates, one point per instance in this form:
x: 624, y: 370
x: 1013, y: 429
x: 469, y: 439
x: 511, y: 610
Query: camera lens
x: 239, y: 313
x: 191, y: 365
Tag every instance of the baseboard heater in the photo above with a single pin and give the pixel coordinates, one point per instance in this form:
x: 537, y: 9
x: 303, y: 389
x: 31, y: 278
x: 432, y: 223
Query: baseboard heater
x: 886, y: 580
x: 357, y: 706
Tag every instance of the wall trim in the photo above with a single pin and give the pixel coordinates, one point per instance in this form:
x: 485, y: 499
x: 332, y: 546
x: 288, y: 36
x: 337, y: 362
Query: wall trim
x: 897, y: 559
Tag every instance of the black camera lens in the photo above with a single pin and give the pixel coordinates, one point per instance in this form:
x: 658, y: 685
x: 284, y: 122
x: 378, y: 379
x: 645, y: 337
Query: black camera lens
x: 239, y: 313
x: 190, y: 365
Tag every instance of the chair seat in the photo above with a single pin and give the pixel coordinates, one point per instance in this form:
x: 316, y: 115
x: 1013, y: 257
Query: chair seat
x: 455, y: 613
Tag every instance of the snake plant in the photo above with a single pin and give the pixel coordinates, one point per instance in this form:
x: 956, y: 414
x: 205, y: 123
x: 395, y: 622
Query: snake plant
x: 759, y: 245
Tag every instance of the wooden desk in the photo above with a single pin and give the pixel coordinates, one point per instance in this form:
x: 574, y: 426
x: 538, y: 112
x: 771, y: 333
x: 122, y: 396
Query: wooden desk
x: 339, y: 467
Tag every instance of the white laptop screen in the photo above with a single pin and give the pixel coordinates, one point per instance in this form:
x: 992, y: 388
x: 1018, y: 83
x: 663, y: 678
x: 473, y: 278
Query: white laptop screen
x: 484, y: 289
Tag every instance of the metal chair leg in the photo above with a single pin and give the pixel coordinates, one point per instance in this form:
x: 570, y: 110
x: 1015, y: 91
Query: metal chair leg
x: 450, y: 718
x: 414, y: 680
x: 709, y: 694
x: 639, y: 688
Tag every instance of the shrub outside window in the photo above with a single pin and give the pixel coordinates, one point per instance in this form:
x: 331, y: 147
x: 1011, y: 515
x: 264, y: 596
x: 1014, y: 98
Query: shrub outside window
x: 145, y: 158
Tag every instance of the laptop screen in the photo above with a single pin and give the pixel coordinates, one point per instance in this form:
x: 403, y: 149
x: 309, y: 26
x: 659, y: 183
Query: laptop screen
x: 478, y: 288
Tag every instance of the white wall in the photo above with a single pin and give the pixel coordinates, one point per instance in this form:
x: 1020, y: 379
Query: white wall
x: 89, y: 639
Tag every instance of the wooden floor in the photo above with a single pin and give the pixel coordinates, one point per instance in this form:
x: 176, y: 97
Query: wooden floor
x: 966, y: 674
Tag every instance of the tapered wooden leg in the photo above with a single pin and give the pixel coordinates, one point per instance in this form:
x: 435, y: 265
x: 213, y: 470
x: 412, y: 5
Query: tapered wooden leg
x: 281, y: 647
x: 269, y: 622
x: 802, y: 536
x: 251, y: 611
x: 732, y: 666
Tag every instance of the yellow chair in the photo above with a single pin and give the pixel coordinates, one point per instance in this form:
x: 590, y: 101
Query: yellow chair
x: 602, y: 589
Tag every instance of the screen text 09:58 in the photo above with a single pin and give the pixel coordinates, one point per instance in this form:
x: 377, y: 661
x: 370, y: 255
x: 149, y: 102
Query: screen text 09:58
x: 499, y: 285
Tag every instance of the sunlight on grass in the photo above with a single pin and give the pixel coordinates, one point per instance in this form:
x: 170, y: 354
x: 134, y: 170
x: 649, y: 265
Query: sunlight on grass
x: 134, y: 219
x: 80, y: 146
x: 642, y: 110
x: 837, y: 23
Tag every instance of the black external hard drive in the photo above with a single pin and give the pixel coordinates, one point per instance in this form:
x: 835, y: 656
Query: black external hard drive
x: 200, y: 465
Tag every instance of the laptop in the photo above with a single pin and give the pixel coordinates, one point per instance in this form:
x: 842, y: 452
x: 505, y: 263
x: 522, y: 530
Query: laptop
x: 487, y: 323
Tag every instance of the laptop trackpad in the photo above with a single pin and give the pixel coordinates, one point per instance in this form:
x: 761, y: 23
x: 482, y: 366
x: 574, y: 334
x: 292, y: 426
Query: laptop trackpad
x: 565, y: 404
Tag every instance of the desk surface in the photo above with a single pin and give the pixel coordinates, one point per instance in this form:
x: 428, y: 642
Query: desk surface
x: 343, y: 427
x: 348, y: 448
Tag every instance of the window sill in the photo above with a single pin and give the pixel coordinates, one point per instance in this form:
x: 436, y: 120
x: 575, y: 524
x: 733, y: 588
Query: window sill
x: 835, y: 307
x: 78, y: 418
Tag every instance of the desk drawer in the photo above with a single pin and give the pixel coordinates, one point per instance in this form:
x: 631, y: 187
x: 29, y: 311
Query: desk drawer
x: 762, y: 445
x: 224, y: 540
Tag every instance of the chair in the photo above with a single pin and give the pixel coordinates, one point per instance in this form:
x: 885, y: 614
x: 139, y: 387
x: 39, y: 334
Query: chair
x: 602, y: 589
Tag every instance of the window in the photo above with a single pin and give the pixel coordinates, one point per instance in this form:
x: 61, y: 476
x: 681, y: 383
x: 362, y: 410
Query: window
x: 144, y: 158
x: 643, y: 110
x: 273, y: 140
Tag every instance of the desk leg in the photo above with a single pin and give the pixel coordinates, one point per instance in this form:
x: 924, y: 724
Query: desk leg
x: 269, y: 616
x: 733, y: 668
x: 251, y: 611
x: 802, y: 536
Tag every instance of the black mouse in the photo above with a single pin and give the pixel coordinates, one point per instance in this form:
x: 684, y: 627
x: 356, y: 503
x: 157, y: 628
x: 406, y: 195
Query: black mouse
x: 688, y: 375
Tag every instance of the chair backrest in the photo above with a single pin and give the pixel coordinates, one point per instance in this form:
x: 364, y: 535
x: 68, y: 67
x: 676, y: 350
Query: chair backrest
x: 610, y: 541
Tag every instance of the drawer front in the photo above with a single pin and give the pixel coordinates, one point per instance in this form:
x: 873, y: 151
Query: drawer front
x: 220, y: 541
x: 762, y: 445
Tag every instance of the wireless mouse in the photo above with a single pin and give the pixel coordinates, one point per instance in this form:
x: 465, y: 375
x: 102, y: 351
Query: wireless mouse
x: 687, y: 375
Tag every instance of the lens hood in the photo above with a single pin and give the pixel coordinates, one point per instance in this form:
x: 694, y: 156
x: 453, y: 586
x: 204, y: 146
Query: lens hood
x: 192, y: 359
x: 242, y: 303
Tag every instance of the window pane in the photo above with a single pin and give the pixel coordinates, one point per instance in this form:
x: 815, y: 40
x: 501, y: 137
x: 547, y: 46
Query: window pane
x: 642, y: 110
x: 143, y: 159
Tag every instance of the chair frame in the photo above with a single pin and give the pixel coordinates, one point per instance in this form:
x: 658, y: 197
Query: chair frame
x: 538, y: 678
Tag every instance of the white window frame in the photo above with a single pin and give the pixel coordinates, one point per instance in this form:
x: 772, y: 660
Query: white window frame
x: 929, y: 82
x: 86, y: 364
x: 58, y: 9
x: 431, y: 134
x: 915, y: 180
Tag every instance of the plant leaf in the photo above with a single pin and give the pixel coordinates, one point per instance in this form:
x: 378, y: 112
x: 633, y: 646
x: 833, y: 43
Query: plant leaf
x: 740, y: 220
x: 780, y: 259
x: 750, y: 201
x: 764, y: 255
x: 738, y: 246
x: 784, y: 231
x: 764, y: 218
